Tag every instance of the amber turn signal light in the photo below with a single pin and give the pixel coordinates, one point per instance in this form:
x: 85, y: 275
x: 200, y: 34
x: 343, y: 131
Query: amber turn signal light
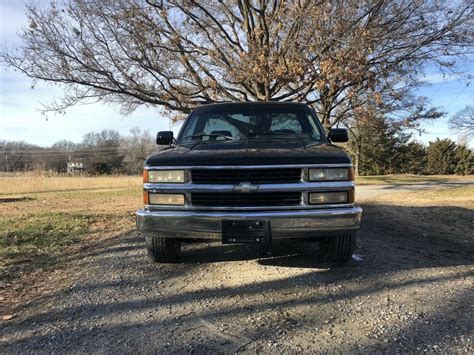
x: 351, y: 174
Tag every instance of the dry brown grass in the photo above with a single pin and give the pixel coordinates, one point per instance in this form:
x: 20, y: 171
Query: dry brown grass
x: 452, y: 196
x: 29, y: 183
x: 35, y: 233
x: 408, y: 179
x: 63, y: 212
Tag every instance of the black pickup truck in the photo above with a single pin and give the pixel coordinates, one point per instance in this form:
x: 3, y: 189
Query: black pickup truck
x: 250, y: 173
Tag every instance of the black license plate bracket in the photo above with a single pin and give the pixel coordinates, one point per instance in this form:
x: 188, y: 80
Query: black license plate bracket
x: 246, y: 231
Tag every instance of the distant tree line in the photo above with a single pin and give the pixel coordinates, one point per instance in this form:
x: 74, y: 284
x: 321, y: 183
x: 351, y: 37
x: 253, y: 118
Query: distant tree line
x: 380, y: 150
x: 105, y: 152
x: 383, y: 150
x: 380, y: 146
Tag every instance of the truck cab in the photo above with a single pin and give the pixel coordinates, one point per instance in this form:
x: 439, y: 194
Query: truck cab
x: 253, y: 172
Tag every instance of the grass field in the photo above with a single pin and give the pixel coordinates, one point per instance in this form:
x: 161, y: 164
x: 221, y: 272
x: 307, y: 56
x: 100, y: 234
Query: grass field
x: 25, y: 184
x: 34, y: 234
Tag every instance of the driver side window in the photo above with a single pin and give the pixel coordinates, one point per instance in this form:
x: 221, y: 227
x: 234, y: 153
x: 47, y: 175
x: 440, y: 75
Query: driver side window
x: 286, y: 122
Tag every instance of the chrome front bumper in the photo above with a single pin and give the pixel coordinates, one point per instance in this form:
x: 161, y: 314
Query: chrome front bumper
x: 284, y: 224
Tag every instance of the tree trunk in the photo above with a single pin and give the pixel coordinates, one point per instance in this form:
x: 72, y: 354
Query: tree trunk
x: 357, y: 159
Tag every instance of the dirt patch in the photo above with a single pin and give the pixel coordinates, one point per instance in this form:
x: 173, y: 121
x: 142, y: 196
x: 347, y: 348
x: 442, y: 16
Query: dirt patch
x: 15, y: 199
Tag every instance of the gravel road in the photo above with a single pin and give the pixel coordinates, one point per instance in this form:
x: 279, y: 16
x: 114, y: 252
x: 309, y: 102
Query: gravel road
x: 408, y: 288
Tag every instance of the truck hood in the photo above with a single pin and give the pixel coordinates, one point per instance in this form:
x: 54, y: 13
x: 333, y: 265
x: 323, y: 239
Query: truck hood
x: 249, y: 153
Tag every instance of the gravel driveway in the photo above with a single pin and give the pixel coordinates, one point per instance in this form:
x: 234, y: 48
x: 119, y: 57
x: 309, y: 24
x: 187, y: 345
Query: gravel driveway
x: 367, y: 192
x: 408, y: 288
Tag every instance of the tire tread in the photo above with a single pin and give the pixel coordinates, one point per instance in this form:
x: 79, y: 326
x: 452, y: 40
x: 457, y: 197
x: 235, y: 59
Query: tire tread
x: 163, y: 250
x: 340, y: 248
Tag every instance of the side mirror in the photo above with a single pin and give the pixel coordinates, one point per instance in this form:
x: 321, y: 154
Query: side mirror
x: 338, y: 135
x: 164, y: 138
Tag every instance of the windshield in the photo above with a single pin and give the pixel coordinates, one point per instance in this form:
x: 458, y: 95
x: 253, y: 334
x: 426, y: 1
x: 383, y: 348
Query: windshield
x: 256, y: 124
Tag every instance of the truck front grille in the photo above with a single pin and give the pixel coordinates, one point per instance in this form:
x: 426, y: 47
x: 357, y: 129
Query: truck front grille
x: 252, y: 199
x: 254, y: 176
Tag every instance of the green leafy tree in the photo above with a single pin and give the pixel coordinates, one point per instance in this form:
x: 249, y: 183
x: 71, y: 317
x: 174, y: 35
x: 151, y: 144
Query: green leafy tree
x: 442, y: 157
x: 377, y: 146
x: 414, y: 159
x: 465, y: 161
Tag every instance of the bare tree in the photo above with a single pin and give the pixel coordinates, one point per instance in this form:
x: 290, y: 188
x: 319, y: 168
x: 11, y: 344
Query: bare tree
x: 137, y: 147
x: 60, y: 154
x: 64, y: 145
x: 176, y: 54
x: 463, y: 122
x: 100, y: 152
x: 20, y: 156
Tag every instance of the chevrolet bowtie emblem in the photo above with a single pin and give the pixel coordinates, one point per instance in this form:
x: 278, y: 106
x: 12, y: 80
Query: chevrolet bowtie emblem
x: 245, y: 187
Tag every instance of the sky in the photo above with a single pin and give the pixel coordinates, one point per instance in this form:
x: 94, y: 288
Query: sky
x: 21, y: 119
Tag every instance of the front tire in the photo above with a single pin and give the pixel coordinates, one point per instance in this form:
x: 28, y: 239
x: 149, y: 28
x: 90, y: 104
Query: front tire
x: 338, y: 249
x: 163, y: 250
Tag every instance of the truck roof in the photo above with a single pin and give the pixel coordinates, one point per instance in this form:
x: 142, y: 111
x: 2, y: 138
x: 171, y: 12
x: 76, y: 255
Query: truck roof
x: 250, y: 104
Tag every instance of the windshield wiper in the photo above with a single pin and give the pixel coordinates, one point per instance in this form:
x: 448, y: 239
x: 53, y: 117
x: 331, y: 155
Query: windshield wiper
x: 201, y: 135
x: 273, y: 133
x: 272, y: 136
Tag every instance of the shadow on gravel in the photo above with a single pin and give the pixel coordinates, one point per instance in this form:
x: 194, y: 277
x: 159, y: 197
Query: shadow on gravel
x: 130, y: 304
x: 404, y: 237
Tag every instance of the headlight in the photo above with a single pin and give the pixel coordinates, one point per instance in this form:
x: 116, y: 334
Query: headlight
x: 328, y: 174
x: 164, y: 176
x: 166, y: 199
x: 323, y: 198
